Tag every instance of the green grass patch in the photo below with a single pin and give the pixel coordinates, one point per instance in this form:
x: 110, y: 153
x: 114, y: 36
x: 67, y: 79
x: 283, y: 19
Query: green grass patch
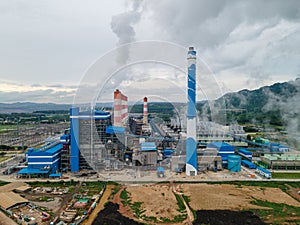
x: 286, y: 175
x: 3, y: 158
x: 136, y: 207
x: 180, y: 204
x: 45, y: 199
x: 3, y: 182
x: 124, y: 194
x: 278, y: 211
x: 7, y: 127
x: 272, y: 184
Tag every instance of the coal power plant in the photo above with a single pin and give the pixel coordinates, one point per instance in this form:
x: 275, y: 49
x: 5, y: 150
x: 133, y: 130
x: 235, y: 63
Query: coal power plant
x: 138, y: 144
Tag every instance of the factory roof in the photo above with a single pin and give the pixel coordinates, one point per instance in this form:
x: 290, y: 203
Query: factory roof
x: 244, y: 151
x: 248, y: 162
x: 219, y: 144
x: 12, y: 186
x: 49, y: 149
x: 286, y: 157
x: 10, y: 199
x: 114, y: 130
x: 96, y: 114
x: 148, y: 146
x: 33, y: 171
x: 55, y: 175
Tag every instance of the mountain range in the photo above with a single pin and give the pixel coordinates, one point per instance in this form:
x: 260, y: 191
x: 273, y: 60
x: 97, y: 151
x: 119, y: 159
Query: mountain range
x: 277, y: 104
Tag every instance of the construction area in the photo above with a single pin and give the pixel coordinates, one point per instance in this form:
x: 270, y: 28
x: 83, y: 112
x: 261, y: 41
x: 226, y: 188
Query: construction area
x: 42, y: 203
x: 82, y: 202
x: 202, y: 202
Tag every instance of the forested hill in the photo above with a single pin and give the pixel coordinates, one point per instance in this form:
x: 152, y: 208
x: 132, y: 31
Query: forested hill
x: 28, y: 107
x: 278, y: 104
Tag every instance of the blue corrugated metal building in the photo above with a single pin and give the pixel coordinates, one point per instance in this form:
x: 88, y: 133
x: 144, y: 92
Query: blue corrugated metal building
x: 248, y: 164
x: 246, y: 154
x: 43, y: 161
x: 224, y: 150
x: 47, y: 156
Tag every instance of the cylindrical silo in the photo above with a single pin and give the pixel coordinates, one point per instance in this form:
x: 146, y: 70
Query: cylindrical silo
x: 234, y: 163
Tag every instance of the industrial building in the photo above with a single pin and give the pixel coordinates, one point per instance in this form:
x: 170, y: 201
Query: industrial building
x: 43, y: 162
x: 281, y: 162
x: 224, y: 150
x: 146, y: 155
x: 245, y: 154
x: 88, y: 137
x: 208, y: 131
x: 208, y: 159
x: 105, y: 141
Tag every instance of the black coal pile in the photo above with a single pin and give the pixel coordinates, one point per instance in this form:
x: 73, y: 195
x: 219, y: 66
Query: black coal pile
x: 227, y: 217
x: 111, y: 216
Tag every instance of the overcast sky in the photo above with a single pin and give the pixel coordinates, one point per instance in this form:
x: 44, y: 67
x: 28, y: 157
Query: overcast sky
x: 46, y: 46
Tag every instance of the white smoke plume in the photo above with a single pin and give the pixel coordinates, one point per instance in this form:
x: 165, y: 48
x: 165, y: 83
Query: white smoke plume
x: 123, y: 26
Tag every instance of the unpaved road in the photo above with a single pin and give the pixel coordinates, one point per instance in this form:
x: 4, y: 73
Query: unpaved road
x: 100, y: 205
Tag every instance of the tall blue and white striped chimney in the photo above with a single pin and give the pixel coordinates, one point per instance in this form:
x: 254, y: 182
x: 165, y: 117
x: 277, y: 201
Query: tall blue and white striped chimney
x: 191, y: 144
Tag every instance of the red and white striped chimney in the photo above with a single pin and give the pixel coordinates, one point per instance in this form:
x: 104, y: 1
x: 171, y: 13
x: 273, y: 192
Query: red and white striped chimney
x: 145, y: 118
x: 120, y: 108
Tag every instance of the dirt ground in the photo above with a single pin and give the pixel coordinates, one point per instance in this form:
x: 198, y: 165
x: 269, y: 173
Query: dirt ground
x: 152, y: 197
x: 52, y: 205
x: 294, y: 192
x: 231, y: 197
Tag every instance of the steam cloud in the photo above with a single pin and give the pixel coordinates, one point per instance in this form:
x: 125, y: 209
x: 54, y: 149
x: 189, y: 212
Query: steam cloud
x: 123, y: 26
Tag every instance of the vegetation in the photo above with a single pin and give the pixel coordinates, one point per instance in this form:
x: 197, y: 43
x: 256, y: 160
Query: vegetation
x: 161, y: 110
x: 125, y: 197
x: 13, y: 121
x: 12, y: 148
x: 45, y: 199
x: 278, y: 211
x: 275, y: 184
x: 286, y: 175
x: 3, y: 183
x: 181, y: 206
x: 61, y: 183
x: 114, y: 191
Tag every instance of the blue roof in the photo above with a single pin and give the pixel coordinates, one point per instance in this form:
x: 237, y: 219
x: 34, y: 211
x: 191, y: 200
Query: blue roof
x: 160, y: 169
x: 49, y: 149
x: 54, y: 149
x: 55, y: 175
x: 248, y: 163
x: 97, y: 114
x: 114, y: 130
x: 264, y: 170
x: 148, y: 146
x: 219, y: 144
x: 244, y: 151
x: 33, y: 171
x: 222, y: 147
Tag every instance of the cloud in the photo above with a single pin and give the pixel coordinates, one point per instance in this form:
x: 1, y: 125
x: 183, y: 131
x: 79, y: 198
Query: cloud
x: 254, y: 41
x: 247, y: 44
x: 14, y: 92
